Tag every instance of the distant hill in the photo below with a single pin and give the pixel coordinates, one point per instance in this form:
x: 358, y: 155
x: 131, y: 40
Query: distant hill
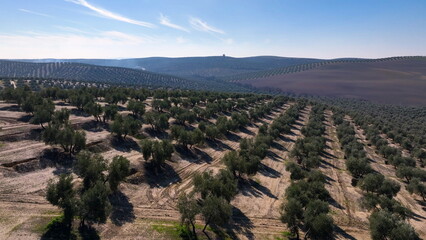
x: 195, y: 67
x: 398, y: 80
x: 116, y: 75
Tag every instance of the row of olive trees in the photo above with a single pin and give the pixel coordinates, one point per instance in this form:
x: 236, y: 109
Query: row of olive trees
x: 405, y: 166
x: 306, y: 199
x: 247, y: 160
x: 212, y: 194
x: 379, y: 192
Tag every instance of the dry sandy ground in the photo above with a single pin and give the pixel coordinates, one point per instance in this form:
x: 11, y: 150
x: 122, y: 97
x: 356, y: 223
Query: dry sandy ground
x: 147, y: 198
x: 154, y: 198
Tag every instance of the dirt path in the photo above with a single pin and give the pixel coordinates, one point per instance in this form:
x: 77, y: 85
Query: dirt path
x: 412, y: 202
x: 345, y: 208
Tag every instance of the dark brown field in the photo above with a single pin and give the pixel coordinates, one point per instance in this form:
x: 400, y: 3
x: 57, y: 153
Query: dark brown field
x: 397, y: 82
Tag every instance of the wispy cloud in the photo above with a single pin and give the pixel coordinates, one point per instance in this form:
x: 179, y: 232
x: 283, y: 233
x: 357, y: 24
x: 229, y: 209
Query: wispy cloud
x: 164, y: 20
x: 35, y: 13
x: 202, y: 26
x: 111, y: 15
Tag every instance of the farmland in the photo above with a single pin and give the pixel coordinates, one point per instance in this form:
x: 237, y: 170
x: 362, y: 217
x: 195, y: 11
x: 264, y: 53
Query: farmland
x: 259, y: 150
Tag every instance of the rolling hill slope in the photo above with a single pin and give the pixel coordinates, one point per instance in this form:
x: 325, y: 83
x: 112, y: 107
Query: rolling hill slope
x: 115, y: 75
x: 399, y: 80
x: 195, y: 67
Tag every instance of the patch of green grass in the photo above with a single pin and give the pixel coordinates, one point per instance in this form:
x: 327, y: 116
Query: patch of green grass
x: 257, y: 180
x: 169, y: 230
x: 42, y: 227
x: 285, y: 236
x: 16, y: 227
x: 173, y: 230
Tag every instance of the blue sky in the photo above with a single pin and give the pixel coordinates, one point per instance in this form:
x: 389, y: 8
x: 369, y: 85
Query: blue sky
x: 240, y: 28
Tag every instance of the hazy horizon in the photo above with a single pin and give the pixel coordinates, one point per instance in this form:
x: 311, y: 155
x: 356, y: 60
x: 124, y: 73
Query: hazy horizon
x: 75, y: 29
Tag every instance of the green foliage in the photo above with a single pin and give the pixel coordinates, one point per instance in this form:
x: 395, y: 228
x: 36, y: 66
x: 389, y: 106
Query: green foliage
x: 292, y: 215
x: 158, y: 151
x: 94, y: 109
x: 222, y: 185
x: 95, y: 207
x: 158, y: 121
x: 215, y: 211
x: 70, y: 140
x: 90, y: 167
x: 188, y: 208
x: 212, y: 132
x: 385, y: 225
x: 417, y: 187
x: 62, y: 194
x: 358, y: 167
x: 136, y: 107
x: 110, y: 111
x: 296, y: 172
x: 123, y: 126
x: 118, y: 170
x: 43, y: 112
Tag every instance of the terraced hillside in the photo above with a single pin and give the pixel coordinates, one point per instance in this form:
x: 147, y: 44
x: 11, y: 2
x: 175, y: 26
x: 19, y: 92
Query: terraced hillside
x: 399, y: 80
x: 114, y: 75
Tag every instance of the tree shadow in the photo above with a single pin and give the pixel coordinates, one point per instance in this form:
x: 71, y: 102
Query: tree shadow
x: 261, y: 121
x: 417, y: 217
x: 273, y: 156
x: 124, y: 144
x: 25, y: 118
x: 88, y: 233
x: 122, y: 209
x: 94, y: 126
x: 286, y: 139
x: 278, y: 146
x: 267, y: 117
x: 55, y: 157
x: 246, y: 131
x: 335, y: 204
x: 161, y: 178
x: 241, y: 224
x: 186, y: 154
x: 233, y: 137
x: 255, y: 189
x: 156, y: 134
x: 217, y: 145
x: 298, y: 123
x: 268, y: 171
x: 328, y: 164
x: 79, y: 113
x: 343, y: 233
x: 11, y: 108
x: 203, y: 155
x: 328, y: 180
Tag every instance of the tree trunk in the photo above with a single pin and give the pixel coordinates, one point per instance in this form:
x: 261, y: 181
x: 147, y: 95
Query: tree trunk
x: 205, y: 226
x: 41, y: 124
x: 297, y: 234
x: 193, y: 229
